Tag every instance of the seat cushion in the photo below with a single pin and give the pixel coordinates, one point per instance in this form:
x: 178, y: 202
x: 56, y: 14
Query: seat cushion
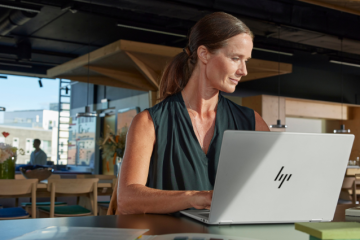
x: 12, y: 212
x: 70, y: 210
x: 42, y: 203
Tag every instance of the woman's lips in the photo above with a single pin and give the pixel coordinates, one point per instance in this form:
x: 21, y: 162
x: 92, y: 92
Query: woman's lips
x: 234, y: 81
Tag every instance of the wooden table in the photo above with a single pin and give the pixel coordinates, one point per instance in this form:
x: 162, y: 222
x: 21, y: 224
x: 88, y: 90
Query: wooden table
x: 163, y: 224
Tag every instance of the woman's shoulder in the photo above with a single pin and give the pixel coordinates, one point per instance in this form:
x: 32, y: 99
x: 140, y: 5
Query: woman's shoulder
x: 165, y: 104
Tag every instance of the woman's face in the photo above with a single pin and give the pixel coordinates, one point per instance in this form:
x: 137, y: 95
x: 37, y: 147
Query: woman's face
x: 226, y: 66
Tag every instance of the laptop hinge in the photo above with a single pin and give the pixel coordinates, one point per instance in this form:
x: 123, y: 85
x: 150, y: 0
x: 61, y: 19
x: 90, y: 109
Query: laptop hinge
x: 316, y: 220
x: 225, y: 222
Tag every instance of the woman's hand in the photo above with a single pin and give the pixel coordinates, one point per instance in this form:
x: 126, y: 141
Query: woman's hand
x: 201, y: 199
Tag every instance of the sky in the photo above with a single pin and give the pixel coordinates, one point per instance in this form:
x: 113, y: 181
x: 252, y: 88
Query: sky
x: 24, y: 93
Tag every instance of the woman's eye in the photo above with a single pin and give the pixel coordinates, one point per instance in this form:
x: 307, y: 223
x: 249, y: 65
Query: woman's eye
x: 236, y: 59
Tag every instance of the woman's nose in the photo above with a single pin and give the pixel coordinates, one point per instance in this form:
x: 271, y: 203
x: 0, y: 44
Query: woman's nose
x: 242, y: 70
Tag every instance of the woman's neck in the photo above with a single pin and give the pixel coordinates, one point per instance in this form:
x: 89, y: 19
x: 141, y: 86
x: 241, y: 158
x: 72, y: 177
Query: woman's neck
x: 200, y: 96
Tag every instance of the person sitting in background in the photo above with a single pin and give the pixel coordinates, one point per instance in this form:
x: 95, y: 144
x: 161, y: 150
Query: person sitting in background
x: 38, y: 157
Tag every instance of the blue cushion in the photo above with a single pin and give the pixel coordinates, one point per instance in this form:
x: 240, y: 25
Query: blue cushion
x: 13, y: 212
x: 24, y: 204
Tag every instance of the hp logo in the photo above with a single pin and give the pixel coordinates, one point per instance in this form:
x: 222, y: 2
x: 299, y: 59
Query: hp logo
x: 282, y: 177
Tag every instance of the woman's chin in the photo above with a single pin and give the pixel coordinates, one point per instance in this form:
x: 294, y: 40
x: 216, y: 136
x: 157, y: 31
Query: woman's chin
x: 228, y: 89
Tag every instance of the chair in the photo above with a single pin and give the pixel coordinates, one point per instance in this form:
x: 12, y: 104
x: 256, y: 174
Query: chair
x: 28, y: 206
x: 15, y: 189
x: 354, y: 187
x: 105, y: 192
x: 70, y: 187
x: 112, y: 209
x: 104, y: 206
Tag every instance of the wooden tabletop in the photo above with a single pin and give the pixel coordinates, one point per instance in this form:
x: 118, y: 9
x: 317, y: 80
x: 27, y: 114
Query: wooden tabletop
x: 164, y: 224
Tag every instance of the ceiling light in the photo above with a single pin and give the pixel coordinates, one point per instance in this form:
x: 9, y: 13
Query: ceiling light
x: 278, y: 121
x: 151, y: 30
x: 2, y: 109
x: 87, y: 113
x: 342, y: 126
x: 278, y: 125
x: 345, y: 63
x: 15, y: 64
x: 342, y: 129
x: 21, y: 6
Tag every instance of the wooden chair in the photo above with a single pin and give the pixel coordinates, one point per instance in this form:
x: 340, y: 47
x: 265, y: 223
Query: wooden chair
x: 104, y: 207
x: 19, y: 188
x: 104, y: 192
x: 112, y: 210
x: 354, y: 186
x: 70, y: 187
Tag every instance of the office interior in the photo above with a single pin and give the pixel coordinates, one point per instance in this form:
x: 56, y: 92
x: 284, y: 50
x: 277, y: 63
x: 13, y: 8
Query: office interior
x: 106, y: 59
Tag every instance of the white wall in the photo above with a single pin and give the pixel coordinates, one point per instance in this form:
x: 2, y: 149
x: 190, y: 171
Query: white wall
x: 304, y: 125
x: 48, y: 116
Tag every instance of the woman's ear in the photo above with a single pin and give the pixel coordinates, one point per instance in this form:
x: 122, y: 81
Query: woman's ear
x: 203, y: 54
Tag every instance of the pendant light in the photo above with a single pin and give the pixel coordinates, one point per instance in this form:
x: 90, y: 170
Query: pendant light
x: 342, y: 126
x: 87, y: 112
x: 2, y: 109
x: 278, y: 121
x: 105, y: 105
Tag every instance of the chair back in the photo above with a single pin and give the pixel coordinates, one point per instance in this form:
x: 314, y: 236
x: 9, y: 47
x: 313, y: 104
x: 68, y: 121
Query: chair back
x: 72, y: 186
x: 112, y: 210
x: 12, y: 187
x: 20, y: 188
x: 54, y: 176
x: 19, y: 176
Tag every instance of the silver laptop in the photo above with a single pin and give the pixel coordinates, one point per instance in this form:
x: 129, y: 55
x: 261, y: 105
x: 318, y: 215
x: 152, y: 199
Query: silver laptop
x: 273, y: 177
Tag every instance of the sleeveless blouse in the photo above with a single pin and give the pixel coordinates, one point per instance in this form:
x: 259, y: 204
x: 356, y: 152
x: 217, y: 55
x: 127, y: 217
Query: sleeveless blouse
x: 177, y: 161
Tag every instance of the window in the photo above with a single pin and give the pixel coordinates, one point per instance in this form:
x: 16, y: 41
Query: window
x: 28, y: 146
x: 46, y: 147
x: 15, y: 142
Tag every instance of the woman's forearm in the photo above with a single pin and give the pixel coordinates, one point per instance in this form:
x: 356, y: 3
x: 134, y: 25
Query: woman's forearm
x: 137, y: 198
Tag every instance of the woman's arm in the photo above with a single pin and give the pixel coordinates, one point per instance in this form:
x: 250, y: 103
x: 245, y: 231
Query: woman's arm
x: 260, y: 124
x: 133, y: 196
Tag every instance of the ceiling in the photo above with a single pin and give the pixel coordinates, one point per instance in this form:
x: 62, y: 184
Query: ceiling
x: 53, y: 32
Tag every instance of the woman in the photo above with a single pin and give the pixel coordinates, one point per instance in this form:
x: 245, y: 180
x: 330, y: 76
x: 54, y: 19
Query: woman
x: 173, y: 148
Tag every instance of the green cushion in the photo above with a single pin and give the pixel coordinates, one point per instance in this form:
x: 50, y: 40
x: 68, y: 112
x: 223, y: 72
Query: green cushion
x: 103, y: 202
x: 70, y: 210
x: 42, y: 204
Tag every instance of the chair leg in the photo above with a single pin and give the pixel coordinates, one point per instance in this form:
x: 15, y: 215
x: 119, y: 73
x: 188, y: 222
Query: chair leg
x: 16, y: 202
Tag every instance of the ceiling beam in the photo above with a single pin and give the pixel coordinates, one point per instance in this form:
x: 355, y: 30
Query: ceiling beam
x: 101, y: 80
x: 133, y: 79
x: 332, y: 6
x: 146, y: 71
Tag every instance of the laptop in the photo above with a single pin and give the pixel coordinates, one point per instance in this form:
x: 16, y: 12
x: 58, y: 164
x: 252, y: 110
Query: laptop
x: 277, y: 177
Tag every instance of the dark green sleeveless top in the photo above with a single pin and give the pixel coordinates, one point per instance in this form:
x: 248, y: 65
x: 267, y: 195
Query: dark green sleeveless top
x: 177, y: 161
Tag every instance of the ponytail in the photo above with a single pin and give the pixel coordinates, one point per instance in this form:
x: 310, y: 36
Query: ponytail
x: 176, y: 74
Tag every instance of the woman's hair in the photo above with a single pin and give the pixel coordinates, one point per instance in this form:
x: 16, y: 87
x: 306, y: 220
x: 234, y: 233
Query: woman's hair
x: 212, y: 31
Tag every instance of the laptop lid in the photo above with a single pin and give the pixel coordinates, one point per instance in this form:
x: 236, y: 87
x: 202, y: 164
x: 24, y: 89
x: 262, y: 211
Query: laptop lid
x: 269, y: 177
